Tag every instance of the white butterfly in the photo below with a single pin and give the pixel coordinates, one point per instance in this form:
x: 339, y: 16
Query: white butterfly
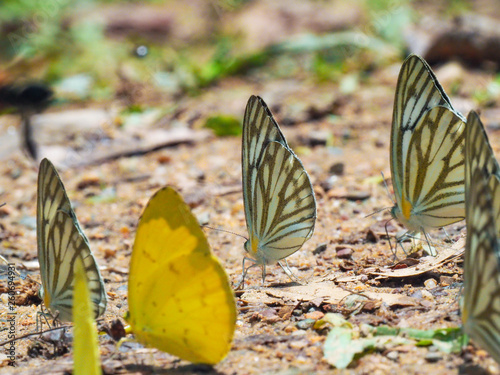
x: 481, y: 296
x: 427, y: 161
x: 280, y: 207
x: 60, y: 242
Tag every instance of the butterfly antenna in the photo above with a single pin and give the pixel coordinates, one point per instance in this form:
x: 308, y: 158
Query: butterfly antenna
x: 223, y: 230
x: 387, y: 188
x: 389, y: 239
x: 3, y: 343
x: 376, y: 212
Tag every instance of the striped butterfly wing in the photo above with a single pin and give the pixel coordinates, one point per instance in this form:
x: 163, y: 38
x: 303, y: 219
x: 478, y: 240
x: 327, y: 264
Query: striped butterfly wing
x: 285, y: 205
x: 280, y: 206
x: 259, y: 128
x: 434, y: 171
x: 65, y: 244
x: 426, y: 177
x: 51, y: 198
x: 481, y: 300
x: 479, y: 146
x: 60, y: 241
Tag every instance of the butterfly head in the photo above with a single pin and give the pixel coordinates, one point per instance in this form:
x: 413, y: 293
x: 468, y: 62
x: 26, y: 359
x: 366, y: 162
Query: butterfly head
x: 402, y: 212
x: 252, y: 246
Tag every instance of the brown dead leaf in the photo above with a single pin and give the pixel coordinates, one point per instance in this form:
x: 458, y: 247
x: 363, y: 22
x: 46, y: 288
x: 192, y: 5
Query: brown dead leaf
x: 327, y: 290
x: 425, y: 265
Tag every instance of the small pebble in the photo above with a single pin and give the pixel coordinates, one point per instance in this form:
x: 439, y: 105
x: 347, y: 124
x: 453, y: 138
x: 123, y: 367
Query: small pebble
x: 299, y: 344
x: 297, y: 312
x: 318, y: 138
x: 344, y: 253
x: 357, y: 195
x: 430, y: 283
x: 88, y: 180
x: 427, y: 295
x: 337, y: 169
x: 371, y: 236
x: 5, y: 210
x: 320, y: 248
x: 393, y: 356
x: 446, y: 280
x: 306, y: 324
x: 433, y: 357
x: 315, y: 315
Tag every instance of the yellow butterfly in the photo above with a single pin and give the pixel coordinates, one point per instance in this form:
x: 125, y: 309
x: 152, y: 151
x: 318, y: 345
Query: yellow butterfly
x: 481, y: 295
x: 180, y: 299
x: 86, y: 356
x: 60, y: 242
x: 280, y: 207
x: 427, y: 160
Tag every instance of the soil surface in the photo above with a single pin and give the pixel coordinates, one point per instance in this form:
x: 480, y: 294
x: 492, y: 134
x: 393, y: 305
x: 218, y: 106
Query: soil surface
x: 342, y: 137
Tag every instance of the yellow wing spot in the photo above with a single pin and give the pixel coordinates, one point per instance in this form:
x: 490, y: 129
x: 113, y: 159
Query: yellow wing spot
x: 46, y: 298
x: 406, y: 208
x: 465, y: 313
x: 255, y: 245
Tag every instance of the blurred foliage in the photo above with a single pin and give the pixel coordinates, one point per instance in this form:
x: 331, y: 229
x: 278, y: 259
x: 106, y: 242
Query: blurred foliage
x: 457, y: 7
x: 48, y: 35
x: 488, y: 96
x: 75, y: 55
x: 387, y: 20
x: 224, y: 125
x: 346, y: 342
x: 39, y: 33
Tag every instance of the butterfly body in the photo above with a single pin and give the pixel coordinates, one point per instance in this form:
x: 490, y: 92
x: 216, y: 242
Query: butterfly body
x: 427, y: 145
x: 60, y: 242
x: 280, y: 207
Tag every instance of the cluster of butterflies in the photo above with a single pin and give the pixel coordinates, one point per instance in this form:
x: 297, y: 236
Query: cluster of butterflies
x: 443, y: 170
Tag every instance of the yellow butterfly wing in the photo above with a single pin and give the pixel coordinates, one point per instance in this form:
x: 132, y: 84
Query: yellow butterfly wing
x: 86, y: 357
x: 180, y: 299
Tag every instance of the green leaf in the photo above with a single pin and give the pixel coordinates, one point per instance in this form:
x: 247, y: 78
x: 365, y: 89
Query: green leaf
x: 339, y: 349
x: 336, y: 320
x: 224, y: 125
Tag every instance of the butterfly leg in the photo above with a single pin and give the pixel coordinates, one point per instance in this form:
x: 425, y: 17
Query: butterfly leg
x: 395, y: 249
x: 289, y: 273
x: 263, y: 273
x: 241, y: 282
x: 400, y: 239
x: 431, y: 250
x: 41, y: 316
x: 447, y: 235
